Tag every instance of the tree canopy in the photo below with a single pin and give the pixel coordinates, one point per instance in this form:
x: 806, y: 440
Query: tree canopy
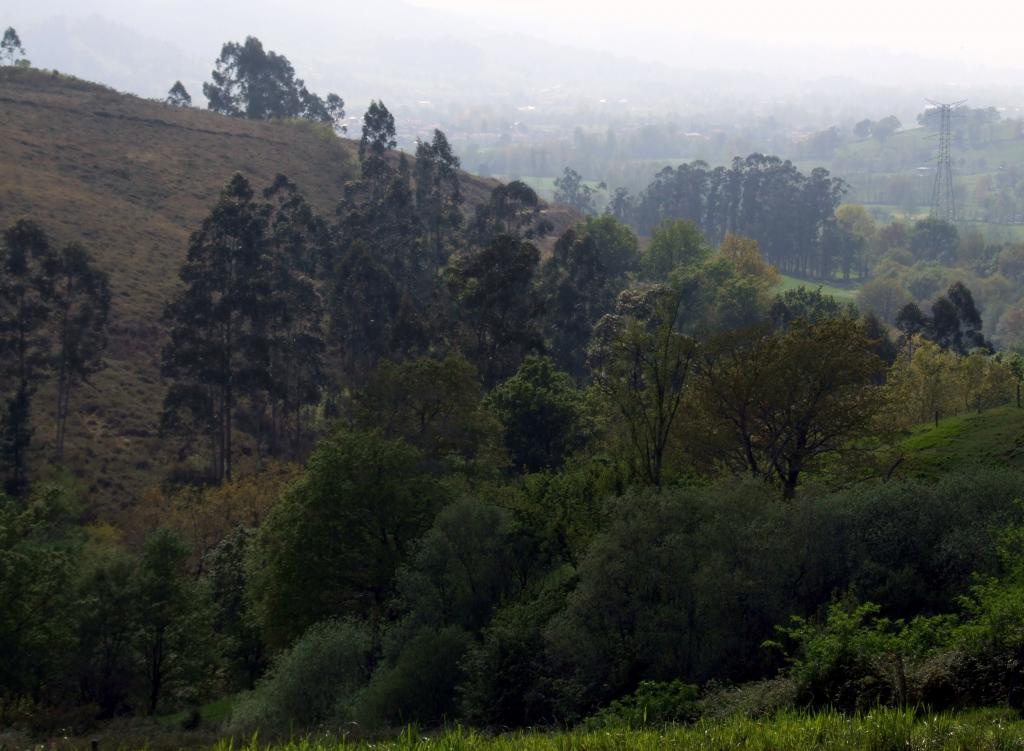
x: 261, y: 85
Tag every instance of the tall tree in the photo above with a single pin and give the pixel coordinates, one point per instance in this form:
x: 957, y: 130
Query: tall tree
x: 10, y: 46
x: 297, y: 243
x: 81, y: 307
x: 434, y: 405
x: 25, y: 308
x: 785, y: 401
x: 543, y: 414
x: 331, y: 546
x: 643, y: 363
x: 493, y: 288
x: 513, y: 209
x: 571, y: 190
x: 438, y: 193
x: 674, y: 243
x: 579, y: 284
x: 217, y: 352
x: 378, y: 137
x: 170, y: 613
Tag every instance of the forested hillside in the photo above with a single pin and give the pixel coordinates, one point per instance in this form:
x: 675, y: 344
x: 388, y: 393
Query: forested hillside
x: 131, y: 179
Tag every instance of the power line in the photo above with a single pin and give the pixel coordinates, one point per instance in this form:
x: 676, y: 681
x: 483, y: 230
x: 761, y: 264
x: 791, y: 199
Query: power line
x: 943, y: 197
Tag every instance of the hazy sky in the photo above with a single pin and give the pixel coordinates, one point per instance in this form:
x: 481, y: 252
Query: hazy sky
x: 360, y: 47
x: 983, y: 32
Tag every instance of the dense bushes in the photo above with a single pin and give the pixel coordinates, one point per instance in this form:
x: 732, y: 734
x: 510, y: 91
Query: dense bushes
x: 687, y: 584
x: 311, y: 683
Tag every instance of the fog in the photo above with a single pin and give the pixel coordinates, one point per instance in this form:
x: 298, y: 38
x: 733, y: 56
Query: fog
x: 758, y: 75
x: 350, y: 46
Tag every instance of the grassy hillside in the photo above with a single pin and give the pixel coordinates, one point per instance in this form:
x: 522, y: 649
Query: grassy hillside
x: 842, y: 291
x: 131, y: 179
x: 959, y: 444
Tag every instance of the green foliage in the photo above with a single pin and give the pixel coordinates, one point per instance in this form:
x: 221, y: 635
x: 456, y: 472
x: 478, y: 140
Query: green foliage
x: 473, y: 556
x: 674, y: 244
x: 513, y: 209
x: 170, y: 610
x: 641, y: 364
x: 935, y: 240
x: 762, y: 197
x: 178, y: 96
x: 419, y: 685
x: 245, y: 332
x: 578, y: 284
x: 566, y: 508
x: 435, y: 405
x: 653, y: 704
x: 241, y: 644
x: 438, y: 193
x: 37, y: 556
x: 778, y: 404
x: 11, y: 48
x: 493, y: 287
x: 810, y: 306
x: 331, y: 546
x: 543, y: 413
x: 509, y: 679
x: 855, y: 659
x: 81, y: 309
x: 311, y: 683
x: 25, y: 306
x: 882, y: 729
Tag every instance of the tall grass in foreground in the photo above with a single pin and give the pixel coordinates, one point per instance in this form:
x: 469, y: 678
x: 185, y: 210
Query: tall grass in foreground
x: 882, y: 730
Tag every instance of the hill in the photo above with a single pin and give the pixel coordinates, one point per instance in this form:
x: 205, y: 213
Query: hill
x: 960, y: 444
x: 131, y: 179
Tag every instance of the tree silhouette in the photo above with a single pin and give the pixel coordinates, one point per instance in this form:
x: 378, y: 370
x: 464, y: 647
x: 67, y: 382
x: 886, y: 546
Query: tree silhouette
x: 178, y: 96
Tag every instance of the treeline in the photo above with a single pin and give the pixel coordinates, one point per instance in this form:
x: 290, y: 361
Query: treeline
x: 380, y: 593
x: 789, y: 214
x: 248, y: 81
x: 535, y: 482
x: 914, y: 262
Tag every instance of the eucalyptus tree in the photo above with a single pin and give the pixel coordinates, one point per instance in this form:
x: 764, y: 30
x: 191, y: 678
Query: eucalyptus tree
x: 81, y: 310
x: 218, y: 349
x: 26, y: 267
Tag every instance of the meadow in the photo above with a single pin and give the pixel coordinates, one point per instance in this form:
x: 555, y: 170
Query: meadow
x: 882, y: 730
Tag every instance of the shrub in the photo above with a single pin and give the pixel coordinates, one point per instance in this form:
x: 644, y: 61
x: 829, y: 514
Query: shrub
x: 419, y: 686
x: 853, y: 659
x: 311, y: 683
x: 754, y: 700
x: 653, y: 703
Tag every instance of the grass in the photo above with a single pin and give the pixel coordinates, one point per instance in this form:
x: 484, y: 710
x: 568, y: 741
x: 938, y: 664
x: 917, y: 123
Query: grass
x: 959, y: 443
x: 882, y: 730
x: 842, y: 291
